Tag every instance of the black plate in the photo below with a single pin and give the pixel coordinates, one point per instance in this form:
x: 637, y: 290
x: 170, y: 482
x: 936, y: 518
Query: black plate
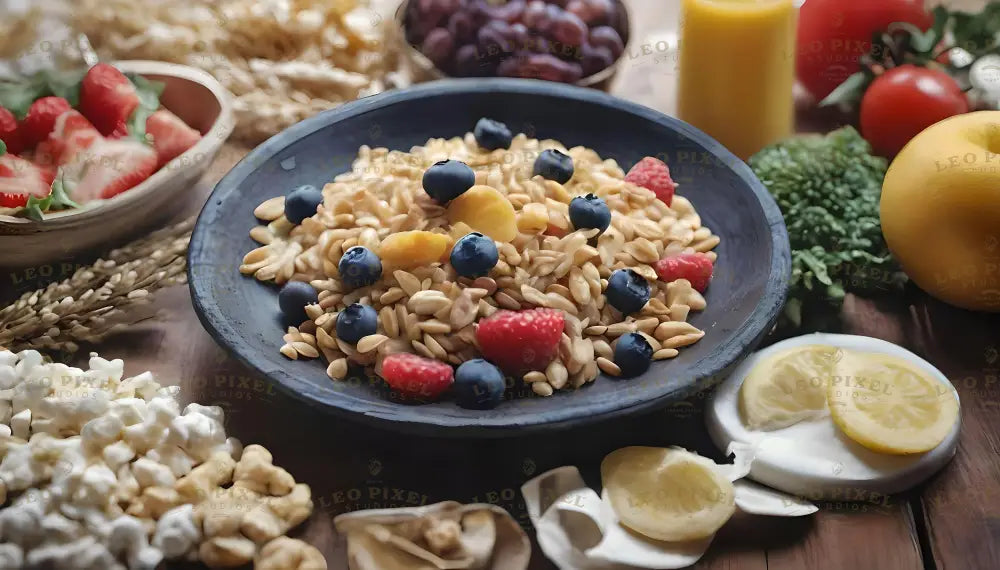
x: 744, y: 299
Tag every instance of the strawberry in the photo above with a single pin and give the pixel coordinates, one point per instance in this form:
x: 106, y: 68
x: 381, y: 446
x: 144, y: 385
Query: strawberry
x: 653, y: 174
x: 171, y: 135
x: 108, y: 168
x: 9, y: 133
x: 41, y: 119
x: 520, y: 341
x: 416, y: 376
x: 107, y: 98
x: 19, y: 180
x: 695, y: 267
x: 72, y: 135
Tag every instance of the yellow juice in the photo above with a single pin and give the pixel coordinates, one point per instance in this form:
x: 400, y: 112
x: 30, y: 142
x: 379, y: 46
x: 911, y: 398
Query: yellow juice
x: 737, y: 70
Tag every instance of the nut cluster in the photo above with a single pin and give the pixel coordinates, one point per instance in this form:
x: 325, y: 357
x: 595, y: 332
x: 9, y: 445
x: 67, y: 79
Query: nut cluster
x: 431, y: 311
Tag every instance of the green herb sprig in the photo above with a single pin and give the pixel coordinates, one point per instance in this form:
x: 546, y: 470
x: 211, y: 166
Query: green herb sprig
x: 828, y: 189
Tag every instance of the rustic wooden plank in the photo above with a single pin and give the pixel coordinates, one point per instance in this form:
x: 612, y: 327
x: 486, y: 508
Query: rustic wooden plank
x: 961, y: 506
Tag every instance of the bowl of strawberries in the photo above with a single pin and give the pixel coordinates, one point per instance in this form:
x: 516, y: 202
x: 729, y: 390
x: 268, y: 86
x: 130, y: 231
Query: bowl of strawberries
x: 94, y: 156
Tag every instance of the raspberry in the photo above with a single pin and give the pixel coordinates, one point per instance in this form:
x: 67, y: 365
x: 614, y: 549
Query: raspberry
x: 695, y: 267
x: 416, y: 376
x: 520, y: 341
x: 653, y: 174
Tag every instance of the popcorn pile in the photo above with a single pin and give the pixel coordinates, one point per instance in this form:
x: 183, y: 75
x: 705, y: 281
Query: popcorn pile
x: 108, y: 473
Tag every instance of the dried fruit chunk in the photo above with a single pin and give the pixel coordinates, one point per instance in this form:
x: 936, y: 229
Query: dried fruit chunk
x: 406, y: 250
x: 485, y: 210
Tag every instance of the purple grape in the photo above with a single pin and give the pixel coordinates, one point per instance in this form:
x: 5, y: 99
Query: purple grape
x: 547, y: 67
x: 536, y: 16
x: 438, y: 46
x: 568, y: 29
x: 560, y: 3
x: 520, y: 36
x: 566, y: 52
x: 594, y: 59
x: 492, y: 41
x: 537, y: 44
x: 606, y: 36
x: 572, y: 72
x: 511, y: 66
x: 591, y: 11
x: 462, y: 27
x: 433, y: 13
x: 509, y: 12
x: 467, y: 63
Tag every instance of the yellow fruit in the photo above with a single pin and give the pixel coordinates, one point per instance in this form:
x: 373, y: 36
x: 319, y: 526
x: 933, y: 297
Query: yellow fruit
x: 890, y: 406
x: 787, y: 387
x: 533, y: 218
x: 485, y: 210
x: 940, y: 210
x: 667, y: 494
x: 405, y: 250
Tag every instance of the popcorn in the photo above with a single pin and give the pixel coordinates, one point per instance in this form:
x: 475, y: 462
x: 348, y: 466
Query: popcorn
x: 176, y: 532
x: 150, y: 473
x: 96, y: 464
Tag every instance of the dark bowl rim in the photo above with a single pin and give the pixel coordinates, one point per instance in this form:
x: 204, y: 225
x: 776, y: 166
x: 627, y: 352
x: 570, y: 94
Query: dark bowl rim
x: 409, y: 418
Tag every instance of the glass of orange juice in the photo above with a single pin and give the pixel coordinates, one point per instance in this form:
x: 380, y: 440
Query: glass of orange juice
x: 737, y: 70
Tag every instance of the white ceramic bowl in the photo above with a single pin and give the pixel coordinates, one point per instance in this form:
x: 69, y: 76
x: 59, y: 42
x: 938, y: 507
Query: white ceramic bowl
x: 191, y: 94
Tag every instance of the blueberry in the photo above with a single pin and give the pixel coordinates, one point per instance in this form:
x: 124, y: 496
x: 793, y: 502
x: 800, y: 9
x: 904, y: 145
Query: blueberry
x: 359, y: 266
x: 474, y: 255
x: 633, y: 354
x: 301, y: 203
x: 588, y: 212
x: 356, y: 322
x: 627, y: 291
x: 445, y: 180
x: 553, y: 165
x: 492, y: 135
x: 478, y: 385
x: 293, y: 298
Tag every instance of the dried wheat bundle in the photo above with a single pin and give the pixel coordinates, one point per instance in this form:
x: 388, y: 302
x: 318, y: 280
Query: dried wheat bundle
x: 283, y: 60
x: 100, y: 299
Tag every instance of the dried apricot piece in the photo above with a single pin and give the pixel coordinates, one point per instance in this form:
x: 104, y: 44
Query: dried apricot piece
x: 416, y: 248
x: 486, y: 210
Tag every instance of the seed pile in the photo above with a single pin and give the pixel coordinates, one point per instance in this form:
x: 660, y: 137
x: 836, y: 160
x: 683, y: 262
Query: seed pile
x: 424, y: 306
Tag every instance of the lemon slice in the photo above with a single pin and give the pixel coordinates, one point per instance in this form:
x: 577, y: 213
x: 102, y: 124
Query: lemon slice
x: 890, y: 406
x: 667, y: 494
x: 788, y: 387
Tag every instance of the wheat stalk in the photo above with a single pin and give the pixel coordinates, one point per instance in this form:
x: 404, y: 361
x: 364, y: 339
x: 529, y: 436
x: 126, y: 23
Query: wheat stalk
x: 98, y: 300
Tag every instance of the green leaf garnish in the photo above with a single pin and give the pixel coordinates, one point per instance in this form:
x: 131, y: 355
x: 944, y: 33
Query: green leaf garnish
x: 3, y: 148
x: 149, y: 101
x: 850, y: 91
x: 65, y: 84
x: 18, y: 96
x: 58, y: 199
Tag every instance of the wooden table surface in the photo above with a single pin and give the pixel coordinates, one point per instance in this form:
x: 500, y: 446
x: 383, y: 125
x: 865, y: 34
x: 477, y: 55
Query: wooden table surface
x: 950, y: 523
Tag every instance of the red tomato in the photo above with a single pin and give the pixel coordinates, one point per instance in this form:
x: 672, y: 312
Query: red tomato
x: 834, y: 34
x: 904, y: 101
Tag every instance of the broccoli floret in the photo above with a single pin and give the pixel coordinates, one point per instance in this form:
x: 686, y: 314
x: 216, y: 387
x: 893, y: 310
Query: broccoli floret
x: 828, y: 189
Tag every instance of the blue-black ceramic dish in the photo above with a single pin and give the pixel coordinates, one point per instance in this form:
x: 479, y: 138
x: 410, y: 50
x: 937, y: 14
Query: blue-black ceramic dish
x: 744, y: 299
